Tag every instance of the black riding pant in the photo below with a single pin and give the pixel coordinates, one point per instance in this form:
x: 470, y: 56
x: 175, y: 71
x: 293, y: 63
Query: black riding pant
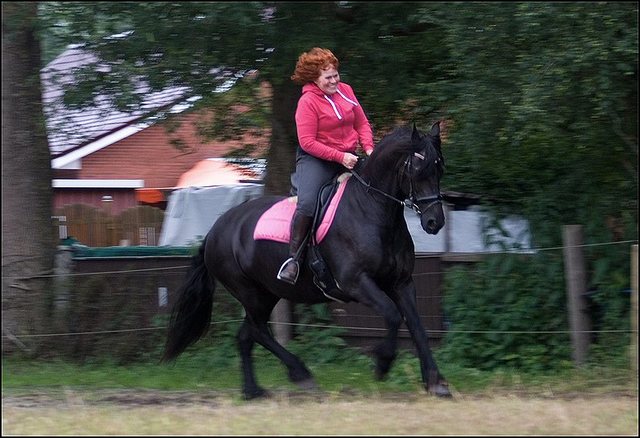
x: 311, y: 174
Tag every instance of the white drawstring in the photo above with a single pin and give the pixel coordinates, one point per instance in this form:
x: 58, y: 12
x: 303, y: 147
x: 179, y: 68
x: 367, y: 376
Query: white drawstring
x: 347, y: 99
x: 334, y: 107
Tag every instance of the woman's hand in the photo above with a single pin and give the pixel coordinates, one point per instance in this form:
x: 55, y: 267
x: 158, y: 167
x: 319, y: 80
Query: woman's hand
x: 349, y: 160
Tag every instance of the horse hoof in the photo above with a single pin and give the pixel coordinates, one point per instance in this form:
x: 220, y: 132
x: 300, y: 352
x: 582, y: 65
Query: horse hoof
x: 440, y: 390
x: 255, y: 393
x: 307, y: 384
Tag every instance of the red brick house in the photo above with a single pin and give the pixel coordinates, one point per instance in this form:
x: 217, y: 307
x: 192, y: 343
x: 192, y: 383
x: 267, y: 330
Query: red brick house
x: 113, y: 161
x: 140, y: 168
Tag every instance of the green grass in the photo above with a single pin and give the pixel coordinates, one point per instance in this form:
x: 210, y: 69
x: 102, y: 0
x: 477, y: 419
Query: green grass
x: 206, y: 369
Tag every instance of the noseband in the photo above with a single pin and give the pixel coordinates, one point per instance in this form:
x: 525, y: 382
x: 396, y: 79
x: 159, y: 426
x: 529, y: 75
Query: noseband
x: 412, y: 201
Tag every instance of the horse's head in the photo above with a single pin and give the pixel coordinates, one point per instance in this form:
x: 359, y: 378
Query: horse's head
x: 408, y: 164
x: 424, y: 169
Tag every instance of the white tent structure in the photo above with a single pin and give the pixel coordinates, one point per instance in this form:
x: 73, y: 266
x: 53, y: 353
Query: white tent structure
x: 192, y: 211
x: 203, y: 193
x: 471, y: 232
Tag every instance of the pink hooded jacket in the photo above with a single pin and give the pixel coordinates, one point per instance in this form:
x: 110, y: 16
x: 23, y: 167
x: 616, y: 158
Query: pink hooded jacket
x: 329, y: 126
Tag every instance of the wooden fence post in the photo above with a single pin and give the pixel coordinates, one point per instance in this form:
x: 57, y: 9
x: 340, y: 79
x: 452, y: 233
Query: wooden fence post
x: 576, y: 283
x: 634, y: 310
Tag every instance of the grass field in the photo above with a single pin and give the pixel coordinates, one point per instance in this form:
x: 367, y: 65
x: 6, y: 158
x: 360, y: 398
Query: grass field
x: 200, y: 395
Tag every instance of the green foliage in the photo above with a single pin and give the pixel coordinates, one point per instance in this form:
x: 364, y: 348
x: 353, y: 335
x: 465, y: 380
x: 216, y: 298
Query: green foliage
x: 507, y: 312
x: 244, y: 108
x: 540, y: 96
x: 541, y: 102
x: 317, y: 337
x: 610, y: 301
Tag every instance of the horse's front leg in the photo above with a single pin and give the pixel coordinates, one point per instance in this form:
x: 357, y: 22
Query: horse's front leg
x: 375, y: 298
x: 433, y: 381
x: 386, y: 351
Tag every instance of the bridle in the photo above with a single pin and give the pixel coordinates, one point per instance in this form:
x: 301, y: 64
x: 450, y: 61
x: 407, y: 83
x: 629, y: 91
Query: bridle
x: 411, y: 202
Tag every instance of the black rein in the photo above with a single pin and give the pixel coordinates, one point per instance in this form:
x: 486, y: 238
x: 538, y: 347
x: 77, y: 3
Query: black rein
x: 412, y: 201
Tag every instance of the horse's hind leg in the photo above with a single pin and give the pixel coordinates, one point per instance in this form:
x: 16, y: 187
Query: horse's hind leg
x: 250, y: 388
x: 297, y: 371
x: 255, y: 329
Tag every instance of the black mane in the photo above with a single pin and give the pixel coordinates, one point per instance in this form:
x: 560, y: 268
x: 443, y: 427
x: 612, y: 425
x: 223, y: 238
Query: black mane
x: 393, y: 149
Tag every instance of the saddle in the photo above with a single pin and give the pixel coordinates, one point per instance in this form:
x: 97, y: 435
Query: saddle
x: 322, y: 276
x: 274, y: 224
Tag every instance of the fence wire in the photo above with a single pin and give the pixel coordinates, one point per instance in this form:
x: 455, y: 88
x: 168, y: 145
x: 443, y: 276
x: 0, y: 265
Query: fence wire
x: 322, y: 326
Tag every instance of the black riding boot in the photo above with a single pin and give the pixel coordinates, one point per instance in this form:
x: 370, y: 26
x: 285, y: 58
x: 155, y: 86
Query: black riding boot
x: 291, y: 267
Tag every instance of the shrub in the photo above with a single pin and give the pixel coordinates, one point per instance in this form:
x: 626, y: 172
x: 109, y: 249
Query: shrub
x: 507, y: 311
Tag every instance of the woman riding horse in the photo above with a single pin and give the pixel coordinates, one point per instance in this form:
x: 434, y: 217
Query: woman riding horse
x: 330, y: 122
x: 372, y: 263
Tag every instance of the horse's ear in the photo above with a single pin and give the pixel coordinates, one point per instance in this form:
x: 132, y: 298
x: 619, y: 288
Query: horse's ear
x: 415, y: 134
x: 435, y: 129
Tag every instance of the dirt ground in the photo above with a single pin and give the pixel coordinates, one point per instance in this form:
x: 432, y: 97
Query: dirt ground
x: 149, y: 412
x: 144, y: 397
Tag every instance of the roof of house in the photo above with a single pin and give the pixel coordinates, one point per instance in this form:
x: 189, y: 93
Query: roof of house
x: 140, y: 144
x: 71, y: 129
x: 151, y: 154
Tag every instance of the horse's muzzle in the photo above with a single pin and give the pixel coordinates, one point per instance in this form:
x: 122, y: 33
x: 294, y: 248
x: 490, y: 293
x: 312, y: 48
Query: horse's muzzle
x: 432, y: 220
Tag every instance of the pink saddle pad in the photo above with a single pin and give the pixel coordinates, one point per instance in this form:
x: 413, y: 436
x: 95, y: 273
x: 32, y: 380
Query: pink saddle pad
x: 275, y: 223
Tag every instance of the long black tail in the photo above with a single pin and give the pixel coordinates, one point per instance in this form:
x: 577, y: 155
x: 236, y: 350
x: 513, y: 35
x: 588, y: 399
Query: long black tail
x: 191, y: 314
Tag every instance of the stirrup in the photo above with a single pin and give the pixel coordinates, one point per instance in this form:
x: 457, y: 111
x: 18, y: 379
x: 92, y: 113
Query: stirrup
x: 284, y: 265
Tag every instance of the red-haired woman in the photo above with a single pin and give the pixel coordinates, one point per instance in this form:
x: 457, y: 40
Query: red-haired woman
x: 331, y: 124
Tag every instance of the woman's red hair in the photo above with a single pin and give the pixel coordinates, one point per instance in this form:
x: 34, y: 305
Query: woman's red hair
x: 311, y: 63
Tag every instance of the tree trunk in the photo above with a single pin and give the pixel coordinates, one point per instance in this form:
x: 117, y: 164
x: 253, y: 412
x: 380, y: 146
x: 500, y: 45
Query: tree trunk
x: 28, y: 242
x: 280, y: 164
x: 284, y: 139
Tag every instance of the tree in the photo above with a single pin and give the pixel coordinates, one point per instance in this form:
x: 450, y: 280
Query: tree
x: 162, y: 44
x: 542, y: 96
x: 545, y: 105
x: 27, y: 235
x: 533, y: 89
x: 180, y: 44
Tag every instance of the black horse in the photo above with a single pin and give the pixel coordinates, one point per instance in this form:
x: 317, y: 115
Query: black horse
x: 368, y: 249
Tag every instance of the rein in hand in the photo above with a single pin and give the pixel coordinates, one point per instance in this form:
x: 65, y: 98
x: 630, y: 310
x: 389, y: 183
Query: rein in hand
x: 410, y: 202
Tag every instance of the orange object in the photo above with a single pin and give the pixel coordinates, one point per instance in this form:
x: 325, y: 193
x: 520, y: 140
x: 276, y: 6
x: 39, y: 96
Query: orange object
x: 214, y: 172
x: 150, y: 196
